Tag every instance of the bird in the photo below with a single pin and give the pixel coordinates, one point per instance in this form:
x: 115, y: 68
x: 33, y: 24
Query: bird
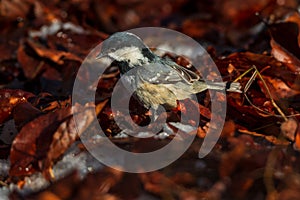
x: 156, y: 80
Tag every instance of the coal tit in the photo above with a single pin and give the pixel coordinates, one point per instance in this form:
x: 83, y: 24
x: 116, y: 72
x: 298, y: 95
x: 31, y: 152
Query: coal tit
x: 156, y: 80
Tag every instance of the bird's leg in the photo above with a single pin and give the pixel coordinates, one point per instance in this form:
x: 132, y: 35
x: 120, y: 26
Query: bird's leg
x: 255, y: 74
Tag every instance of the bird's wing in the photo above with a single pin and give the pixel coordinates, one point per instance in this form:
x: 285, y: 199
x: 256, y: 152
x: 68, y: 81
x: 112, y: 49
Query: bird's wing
x: 157, y: 73
x: 186, y: 74
x: 166, y: 73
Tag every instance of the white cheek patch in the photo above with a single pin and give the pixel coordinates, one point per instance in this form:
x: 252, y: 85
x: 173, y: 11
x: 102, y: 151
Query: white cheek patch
x: 133, y: 55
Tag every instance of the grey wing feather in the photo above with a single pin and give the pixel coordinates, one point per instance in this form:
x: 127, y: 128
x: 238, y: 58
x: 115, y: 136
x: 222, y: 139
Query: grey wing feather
x: 186, y: 74
x: 166, y: 72
x: 157, y: 73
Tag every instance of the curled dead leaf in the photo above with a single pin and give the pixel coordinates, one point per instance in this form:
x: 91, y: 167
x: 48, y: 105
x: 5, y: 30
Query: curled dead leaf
x: 31, y: 145
x: 289, y: 128
x: 65, y: 135
x: 9, y: 98
x: 284, y: 44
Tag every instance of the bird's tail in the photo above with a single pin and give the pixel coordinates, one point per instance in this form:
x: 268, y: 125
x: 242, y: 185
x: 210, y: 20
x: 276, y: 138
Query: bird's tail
x: 200, y: 86
x: 229, y: 86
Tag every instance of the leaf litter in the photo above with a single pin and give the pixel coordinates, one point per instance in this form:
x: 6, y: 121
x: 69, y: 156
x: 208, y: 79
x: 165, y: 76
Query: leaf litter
x: 42, y: 46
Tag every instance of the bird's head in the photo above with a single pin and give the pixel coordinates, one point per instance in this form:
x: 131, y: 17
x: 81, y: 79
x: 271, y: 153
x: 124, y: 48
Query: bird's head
x: 125, y: 47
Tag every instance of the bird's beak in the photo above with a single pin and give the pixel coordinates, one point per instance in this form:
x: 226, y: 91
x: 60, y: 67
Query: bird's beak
x: 100, y: 55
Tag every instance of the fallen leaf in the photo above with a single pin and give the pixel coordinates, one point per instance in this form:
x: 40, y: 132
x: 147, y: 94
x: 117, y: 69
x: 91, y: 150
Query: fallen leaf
x: 31, y: 66
x: 284, y: 44
x: 297, y: 139
x: 54, y: 55
x: 32, y: 144
x: 289, y: 128
x: 9, y: 98
x: 65, y: 135
x: 10, y: 10
x: 23, y: 113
